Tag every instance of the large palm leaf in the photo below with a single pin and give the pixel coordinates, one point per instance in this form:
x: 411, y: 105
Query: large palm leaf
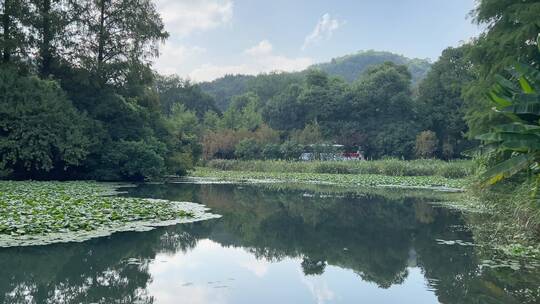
x: 518, y: 98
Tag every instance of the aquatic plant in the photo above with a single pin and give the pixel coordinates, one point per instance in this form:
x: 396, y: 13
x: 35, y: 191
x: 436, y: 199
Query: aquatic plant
x: 44, y: 208
x: 365, y: 180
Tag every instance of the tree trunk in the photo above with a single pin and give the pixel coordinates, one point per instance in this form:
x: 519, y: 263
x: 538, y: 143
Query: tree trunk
x: 6, y: 25
x: 101, y: 39
x: 47, y: 35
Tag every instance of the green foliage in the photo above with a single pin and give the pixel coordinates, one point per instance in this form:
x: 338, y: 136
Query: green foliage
x: 384, y: 106
x: 123, y: 121
x: 247, y: 149
x: 351, y: 67
x: 182, y: 139
x: 291, y: 150
x: 129, y: 160
x: 515, y: 146
x: 441, y: 102
x: 41, y: 208
x: 173, y: 90
x: 244, y: 113
x: 40, y: 130
x: 284, y: 111
x: 269, y: 86
x: 271, y: 152
x: 310, y: 135
x: 426, y: 144
x: 210, y: 121
x: 224, y: 88
x: 511, y: 31
x: 391, y: 167
x: 343, y: 180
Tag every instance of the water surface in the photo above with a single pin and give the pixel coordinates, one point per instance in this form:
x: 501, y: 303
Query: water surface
x: 273, y: 245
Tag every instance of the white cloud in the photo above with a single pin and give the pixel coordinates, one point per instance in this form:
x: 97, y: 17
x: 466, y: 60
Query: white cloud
x: 183, y: 17
x: 323, y: 30
x: 173, y: 56
x: 257, y: 59
x: 318, y: 287
x: 263, y: 48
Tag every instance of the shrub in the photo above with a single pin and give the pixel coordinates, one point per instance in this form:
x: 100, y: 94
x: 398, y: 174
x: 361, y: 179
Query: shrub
x: 247, y: 149
x: 40, y: 129
x: 291, y: 150
x: 271, y: 151
x: 426, y: 144
x: 130, y: 160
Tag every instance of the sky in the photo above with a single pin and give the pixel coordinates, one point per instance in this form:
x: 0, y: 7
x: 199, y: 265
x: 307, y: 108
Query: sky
x: 212, y: 38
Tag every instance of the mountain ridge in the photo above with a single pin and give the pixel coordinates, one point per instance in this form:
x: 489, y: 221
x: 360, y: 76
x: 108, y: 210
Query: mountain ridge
x: 349, y: 67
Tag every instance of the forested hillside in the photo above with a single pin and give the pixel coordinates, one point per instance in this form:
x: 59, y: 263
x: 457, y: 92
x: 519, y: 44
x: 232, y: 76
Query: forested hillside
x: 349, y: 67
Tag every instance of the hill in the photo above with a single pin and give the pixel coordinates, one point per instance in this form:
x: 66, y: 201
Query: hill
x: 349, y: 67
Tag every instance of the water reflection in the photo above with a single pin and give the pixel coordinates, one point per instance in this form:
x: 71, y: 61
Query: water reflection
x: 271, y: 246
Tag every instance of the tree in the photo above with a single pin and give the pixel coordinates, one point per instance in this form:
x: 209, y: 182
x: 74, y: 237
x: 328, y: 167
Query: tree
x: 174, y: 90
x: 114, y: 34
x: 310, y: 135
x: 271, y: 152
x: 41, y: 133
x: 244, y: 113
x: 284, y: 111
x: 247, y: 149
x: 211, y: 121
x: 441, y: 102
x: 385, y: 111
x: 183, y: 140
x: 53, y: 34
x: 511, y: 30
x: 14, y: 38
x: 426, y: 144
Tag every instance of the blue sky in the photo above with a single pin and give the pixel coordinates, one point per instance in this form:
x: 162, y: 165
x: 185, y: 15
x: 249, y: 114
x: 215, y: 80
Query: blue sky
x: 211, y: 38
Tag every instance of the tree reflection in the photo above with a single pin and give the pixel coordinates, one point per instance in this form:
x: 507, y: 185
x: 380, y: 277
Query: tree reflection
x: 376, y: 236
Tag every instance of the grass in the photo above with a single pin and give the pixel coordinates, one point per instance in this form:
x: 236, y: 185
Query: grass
x: 39, y: 208
x: 513, y: 224
x: 349, y: 180
x: 388, y: 167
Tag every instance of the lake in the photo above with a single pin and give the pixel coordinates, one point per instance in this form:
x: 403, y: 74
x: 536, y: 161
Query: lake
x: 276, y: 244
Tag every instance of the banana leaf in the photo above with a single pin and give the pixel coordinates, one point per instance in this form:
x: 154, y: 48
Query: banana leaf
x: 517, y: 127
x: 521, y: 145
x: 506, y: 169
x: 525, y: 107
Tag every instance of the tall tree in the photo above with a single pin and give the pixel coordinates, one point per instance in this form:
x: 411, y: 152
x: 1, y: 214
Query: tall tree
x: 53, y: 37
x: 116, y: 34
x: 384, y: 109
x: 441, y: 101
x: 13, y: 36
x: 511, y: 30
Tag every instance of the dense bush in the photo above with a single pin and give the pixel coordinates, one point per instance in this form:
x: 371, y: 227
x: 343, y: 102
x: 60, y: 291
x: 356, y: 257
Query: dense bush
x: 130, y: 160
x: 271, y: 152
x: 41, y: 133
x: 247, y: 149
x: 291, y: 150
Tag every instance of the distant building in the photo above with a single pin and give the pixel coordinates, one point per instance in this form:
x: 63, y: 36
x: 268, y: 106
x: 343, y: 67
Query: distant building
x: 327, y: 152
